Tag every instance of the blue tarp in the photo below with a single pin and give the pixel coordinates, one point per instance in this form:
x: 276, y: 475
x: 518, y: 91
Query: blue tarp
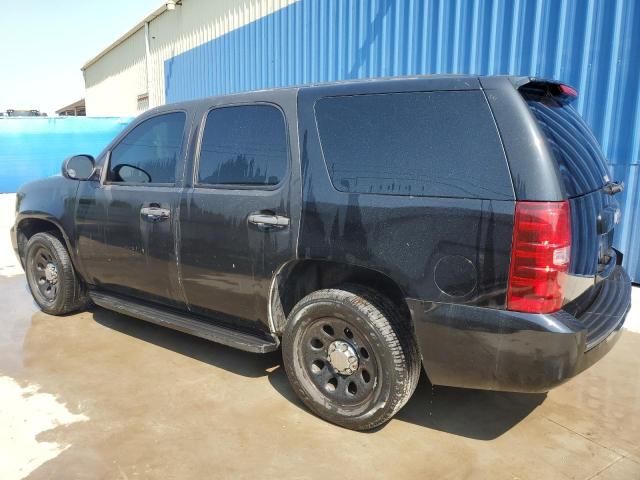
x: 34, y: 147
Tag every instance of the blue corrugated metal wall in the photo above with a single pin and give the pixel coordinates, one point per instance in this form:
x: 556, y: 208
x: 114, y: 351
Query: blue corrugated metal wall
x: 32, y: 148
x: 593, y: 45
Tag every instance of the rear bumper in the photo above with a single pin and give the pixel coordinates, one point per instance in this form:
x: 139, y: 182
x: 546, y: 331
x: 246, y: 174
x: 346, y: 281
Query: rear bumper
x: 476, y: 347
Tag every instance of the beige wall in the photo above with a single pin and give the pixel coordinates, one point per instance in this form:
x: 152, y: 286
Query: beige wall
x: 112, y: 84
x: 115, y: 80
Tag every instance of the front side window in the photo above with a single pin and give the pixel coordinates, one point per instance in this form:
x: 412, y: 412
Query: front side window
x: 243, y: 145
x: 442, y: 144
x: 149, y: 153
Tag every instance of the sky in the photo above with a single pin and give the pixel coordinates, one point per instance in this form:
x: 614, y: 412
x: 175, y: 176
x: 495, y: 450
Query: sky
x: 44, y: 43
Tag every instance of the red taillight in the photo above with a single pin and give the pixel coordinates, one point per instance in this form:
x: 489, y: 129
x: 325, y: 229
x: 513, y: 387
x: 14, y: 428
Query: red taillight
x: 539, y: 256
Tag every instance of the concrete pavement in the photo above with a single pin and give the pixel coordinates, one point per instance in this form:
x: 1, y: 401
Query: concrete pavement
x: 98, y: 395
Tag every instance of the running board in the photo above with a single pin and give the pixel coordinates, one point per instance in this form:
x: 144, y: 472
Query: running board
x: 186, y: 323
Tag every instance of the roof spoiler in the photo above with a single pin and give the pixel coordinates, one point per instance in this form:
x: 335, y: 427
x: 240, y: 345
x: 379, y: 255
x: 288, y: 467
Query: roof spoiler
x: 540, y: 87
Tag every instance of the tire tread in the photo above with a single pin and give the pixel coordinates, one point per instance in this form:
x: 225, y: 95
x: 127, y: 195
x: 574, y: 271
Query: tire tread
x: 72, y: 289
x: 397, y: 334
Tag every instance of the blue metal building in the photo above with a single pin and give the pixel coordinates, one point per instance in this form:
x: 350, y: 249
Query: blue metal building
x: 593, y: 45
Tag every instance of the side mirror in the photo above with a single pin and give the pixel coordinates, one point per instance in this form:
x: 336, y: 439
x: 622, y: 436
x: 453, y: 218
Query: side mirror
x: 79, y: 167
x: 130, y: 174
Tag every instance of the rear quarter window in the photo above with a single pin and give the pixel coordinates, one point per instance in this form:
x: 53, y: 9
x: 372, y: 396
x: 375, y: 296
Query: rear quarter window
x: 442, y: 144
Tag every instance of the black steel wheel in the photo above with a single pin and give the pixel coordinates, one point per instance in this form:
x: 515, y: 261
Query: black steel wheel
x: 51, y: 277
x: 350, y: 356
x: 44, y: 269
x: 339, y: 360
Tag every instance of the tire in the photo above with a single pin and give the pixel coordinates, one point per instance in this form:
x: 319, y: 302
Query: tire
x: 52, y: 279
x: 322, y: 334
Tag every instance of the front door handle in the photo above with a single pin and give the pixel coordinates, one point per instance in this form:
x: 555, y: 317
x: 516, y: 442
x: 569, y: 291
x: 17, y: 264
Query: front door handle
x: 154, y: 214
x: 268, y: 220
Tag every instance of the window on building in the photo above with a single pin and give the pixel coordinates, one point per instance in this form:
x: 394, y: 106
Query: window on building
x: 243, y: 145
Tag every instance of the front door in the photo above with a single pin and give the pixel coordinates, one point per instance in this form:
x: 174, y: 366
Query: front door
x: 237, y: 222
x: 127, y: 223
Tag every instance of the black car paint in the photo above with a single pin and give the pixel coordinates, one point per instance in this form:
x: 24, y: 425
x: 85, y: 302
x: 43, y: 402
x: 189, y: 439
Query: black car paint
x: 464, y: 345
x: 395, y: 235
x: 51, y: 200
x: 448, y: 256
x: 227, y: 263
x: 534, y: 173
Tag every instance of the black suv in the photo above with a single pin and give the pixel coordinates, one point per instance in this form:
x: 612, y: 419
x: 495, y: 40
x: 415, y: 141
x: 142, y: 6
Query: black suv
x: 457, y: 222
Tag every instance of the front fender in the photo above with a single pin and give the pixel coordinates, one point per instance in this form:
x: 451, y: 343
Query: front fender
x: 51, y: 200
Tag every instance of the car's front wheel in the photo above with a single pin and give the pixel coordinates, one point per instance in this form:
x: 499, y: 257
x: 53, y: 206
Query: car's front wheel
x: 350, y: 356
x: 52, y: 279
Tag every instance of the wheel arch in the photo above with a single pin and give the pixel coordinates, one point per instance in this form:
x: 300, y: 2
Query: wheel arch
x: 28, y: 226
x: 298, y: 278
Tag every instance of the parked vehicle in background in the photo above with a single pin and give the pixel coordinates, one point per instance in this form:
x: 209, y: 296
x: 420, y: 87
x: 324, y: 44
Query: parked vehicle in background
x: 24, y: 113
x: 460, y: 223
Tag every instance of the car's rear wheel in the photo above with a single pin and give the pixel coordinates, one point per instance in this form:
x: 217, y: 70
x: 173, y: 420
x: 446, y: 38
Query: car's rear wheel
x: 350, y: 356
x: 52, y: 279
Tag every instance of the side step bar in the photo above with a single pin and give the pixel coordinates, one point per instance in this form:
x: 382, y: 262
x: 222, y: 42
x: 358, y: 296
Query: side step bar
x: 186, y: 323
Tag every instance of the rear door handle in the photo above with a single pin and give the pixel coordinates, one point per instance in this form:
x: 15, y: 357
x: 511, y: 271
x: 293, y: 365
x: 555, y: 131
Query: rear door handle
x: 154, y: 214
x: 268, y: 220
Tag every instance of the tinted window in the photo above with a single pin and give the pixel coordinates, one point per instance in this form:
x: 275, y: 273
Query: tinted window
x: 148, y: 154
x: 427, y: 143
x: 582, y: 165
x: 244, y: 145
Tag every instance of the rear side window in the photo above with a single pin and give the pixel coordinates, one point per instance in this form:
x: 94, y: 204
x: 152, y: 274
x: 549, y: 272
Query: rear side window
x: 582, y: 166
x: 148, y: 154
x: 442, y: 144
x: 243, y: 145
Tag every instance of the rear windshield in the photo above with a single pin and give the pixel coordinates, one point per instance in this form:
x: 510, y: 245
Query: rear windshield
x: 582, y: 165
x: 441, y: 144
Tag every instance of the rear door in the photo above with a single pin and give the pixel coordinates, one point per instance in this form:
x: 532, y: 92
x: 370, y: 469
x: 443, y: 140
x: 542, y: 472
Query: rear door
x: 585, y: 176
x: 239, y: 219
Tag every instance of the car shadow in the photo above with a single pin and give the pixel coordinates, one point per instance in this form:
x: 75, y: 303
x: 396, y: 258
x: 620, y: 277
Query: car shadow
x: 235, y: 361
x: 475, y: 414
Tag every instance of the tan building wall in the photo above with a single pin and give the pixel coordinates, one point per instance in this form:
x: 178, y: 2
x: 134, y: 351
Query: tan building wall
x: 116, y: 79
x: 113, y: 83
